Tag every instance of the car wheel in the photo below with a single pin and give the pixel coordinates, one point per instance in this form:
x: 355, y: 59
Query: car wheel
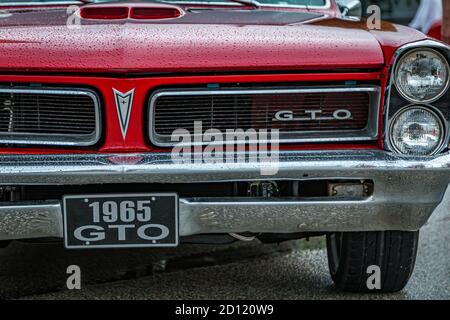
x: 350, y: 254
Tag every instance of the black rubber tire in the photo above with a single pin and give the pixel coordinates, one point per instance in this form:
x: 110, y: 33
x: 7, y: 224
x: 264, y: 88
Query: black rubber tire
x: 4, y: 244
x: 351, y: 253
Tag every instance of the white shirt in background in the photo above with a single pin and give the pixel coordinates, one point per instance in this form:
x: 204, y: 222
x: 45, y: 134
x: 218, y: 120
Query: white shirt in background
x: 429, y: 12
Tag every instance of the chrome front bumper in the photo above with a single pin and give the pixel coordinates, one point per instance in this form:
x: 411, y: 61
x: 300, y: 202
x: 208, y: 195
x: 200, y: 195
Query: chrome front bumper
x: 406, y: 191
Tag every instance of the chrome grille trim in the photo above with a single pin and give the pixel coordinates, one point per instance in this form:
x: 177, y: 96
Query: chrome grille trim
x: 57, y: 139
x: 370, y: 133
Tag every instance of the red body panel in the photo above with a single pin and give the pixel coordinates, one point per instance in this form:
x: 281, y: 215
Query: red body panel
x: 136, y: 48
x: 37, y: 46
x: 436, y: 30
x: 135, y: 139
x: 390, y: 37
x: 41, y: 41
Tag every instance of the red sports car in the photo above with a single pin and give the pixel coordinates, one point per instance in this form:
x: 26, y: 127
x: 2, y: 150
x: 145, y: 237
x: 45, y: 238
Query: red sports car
x: 436, y: 30
x: 153, y: 123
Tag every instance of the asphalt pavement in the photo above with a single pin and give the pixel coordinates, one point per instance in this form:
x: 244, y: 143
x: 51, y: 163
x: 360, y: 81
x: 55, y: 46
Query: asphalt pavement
x: 292, y: 270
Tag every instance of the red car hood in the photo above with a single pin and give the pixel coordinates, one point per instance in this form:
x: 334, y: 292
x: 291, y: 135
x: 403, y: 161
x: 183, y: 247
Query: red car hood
x: 40, y: 41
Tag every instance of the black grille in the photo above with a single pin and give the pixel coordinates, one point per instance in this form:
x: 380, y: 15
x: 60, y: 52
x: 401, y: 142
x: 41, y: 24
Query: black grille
x: 258, y: 110
x: 49, y: 116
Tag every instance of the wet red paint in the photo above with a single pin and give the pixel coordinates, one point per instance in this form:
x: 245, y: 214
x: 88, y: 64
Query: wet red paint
x: 125, y: 48
x: 141, y: 11
x: 135, y: 139
x: 436, y: 31
x: 322, y: 49
x: 134, y: 46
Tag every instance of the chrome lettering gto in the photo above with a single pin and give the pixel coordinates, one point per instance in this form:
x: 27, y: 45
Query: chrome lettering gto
x: 123, y: 217
x: 312, y: 115
x: 92, y: 233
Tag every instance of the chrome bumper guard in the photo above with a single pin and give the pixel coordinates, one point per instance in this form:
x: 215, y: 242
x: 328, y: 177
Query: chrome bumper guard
x: 406, y: 191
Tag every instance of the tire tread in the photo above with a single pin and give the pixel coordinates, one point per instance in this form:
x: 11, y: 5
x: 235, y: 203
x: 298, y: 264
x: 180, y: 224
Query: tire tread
x: 393, y: 251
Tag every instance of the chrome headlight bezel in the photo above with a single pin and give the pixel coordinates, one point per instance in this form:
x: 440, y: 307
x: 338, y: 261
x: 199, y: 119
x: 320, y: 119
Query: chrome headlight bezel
x: 407, y: 54
x: 440, y: 119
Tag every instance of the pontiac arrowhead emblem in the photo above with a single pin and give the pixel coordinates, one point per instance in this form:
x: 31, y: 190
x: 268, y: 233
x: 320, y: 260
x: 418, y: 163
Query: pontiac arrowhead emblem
x: 124, y: 102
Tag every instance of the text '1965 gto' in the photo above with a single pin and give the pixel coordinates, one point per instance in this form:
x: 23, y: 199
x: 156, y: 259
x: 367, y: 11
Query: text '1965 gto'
x: 155, y: 123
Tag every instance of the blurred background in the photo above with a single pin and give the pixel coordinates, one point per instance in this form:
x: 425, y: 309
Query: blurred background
x: 398, y: 11
x: 424, y: 15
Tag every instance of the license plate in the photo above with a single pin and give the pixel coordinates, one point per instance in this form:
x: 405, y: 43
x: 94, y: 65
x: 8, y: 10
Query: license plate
x: 120, y: 221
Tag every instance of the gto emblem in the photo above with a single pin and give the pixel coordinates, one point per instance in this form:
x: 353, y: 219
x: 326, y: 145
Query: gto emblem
x: 311, y: 115
x: 92, y: 233
x: 124, y: 102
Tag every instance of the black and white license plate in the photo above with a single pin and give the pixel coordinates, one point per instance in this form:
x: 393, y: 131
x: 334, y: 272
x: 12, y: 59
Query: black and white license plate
x: 120, y: 221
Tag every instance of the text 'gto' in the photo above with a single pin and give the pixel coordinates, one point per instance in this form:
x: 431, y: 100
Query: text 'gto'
x: 312, y: 115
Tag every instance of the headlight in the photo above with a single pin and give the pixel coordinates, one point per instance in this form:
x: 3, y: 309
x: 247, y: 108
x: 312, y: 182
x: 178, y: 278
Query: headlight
x: 417, y: 131
x: 422, y: 75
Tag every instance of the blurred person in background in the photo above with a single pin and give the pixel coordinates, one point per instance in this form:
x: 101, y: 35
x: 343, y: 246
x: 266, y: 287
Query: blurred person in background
x: 428, y: 18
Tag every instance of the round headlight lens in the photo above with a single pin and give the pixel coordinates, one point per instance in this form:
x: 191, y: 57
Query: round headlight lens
x: 417, y: 131
x: 422, y: 75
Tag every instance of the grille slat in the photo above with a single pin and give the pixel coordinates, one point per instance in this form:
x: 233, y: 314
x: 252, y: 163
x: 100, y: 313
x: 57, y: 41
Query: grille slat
x: 49, y: 116
x: 171, y: 110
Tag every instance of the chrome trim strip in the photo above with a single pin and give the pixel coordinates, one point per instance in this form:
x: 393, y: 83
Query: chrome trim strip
x: 55, y: 139
x: 238, y: 215
x: 262, y: 5
x: 406, y: 190
x: 43, y: 3
x: 30, y: 220
x: 370, y: 133
x: 158, y: 167
x: 423, y: 44
x: 22, y: 220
